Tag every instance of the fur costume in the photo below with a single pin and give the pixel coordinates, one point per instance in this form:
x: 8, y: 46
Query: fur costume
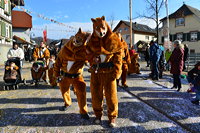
x: 70, y: 61
x: 134, y: 67
x: 125, y: 63
x: 38, y: 72
x: 41, y: 54
x: 106, y: 66
x: 52, y: 79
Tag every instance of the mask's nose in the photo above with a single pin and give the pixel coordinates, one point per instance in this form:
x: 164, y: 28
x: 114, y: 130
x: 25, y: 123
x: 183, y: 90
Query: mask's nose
x: 102, y: 33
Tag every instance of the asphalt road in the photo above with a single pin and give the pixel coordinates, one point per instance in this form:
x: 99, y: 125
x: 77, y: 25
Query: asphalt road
x: 146, y: 106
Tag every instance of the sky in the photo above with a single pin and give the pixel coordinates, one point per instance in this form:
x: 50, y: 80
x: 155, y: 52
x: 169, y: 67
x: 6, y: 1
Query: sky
x: 78, y: 13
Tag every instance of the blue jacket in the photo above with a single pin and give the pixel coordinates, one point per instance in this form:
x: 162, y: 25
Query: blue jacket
x: 155, y: 52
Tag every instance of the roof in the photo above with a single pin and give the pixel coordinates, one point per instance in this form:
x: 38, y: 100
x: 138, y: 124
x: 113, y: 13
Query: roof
x: 21, y: 19
x: 184, y: 10
x: 20, y: 40
x: 137, y: 27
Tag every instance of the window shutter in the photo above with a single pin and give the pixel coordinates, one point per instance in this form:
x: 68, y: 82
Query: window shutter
x: 175, y: 37
x: 188, y: 36
x: 198, y: 36
x: 10, y: 32
x: 9, y: 7
x: 2, y: 4
x: 184, y: 37
x: 3, y: 29
x: 170, y: 37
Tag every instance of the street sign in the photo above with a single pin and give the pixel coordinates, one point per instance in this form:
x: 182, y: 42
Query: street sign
x: 165, y: 31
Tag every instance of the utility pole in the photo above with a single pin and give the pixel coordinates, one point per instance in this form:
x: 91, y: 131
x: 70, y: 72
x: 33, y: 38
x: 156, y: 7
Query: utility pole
x: 167, y: 12
x: 130, y: 10
x: 157, y: 21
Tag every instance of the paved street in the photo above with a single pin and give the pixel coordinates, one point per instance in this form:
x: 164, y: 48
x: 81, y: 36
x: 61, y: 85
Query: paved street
x: 146, y: 106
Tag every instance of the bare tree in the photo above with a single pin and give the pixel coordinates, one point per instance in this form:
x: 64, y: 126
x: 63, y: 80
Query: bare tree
x: 153, y: 10
x: 111, y: 19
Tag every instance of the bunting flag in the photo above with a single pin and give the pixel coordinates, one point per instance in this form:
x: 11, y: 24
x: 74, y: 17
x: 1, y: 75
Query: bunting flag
x: 54, y: 30
x: 42, y: 16
x: 45, y: 35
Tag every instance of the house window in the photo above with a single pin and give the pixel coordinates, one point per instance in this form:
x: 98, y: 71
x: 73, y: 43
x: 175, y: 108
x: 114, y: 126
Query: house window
x: 180, y: 21
x: 6, y: 7
x: 147, y: 37
x: 127, y: 37
x: 193, y: 36
x: 126, y: 28
x: 192, y: 51
x: 7, y: 31
x: 152, y: 38
x: 180, y: 36
x: 120, y: 30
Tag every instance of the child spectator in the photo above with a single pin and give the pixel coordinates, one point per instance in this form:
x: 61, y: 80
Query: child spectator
x: 194, y: 80
x: 11, y: 71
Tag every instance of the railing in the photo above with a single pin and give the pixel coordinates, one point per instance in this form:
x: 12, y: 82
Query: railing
x: 192, y: 60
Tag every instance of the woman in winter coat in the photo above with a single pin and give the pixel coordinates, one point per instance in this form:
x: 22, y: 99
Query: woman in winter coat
x: 176, y: 61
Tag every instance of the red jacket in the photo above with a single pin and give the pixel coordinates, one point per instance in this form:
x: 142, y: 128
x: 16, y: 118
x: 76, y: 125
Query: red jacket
x: 176, y: 60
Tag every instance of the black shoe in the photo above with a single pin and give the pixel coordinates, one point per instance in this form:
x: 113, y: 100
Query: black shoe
x: 173, y: 87
x: 125, y: 86
x: 63, y: 108
x: 179, y: 89
x: 156, y: 78
x: 85, y: 116
x: 195, y: 102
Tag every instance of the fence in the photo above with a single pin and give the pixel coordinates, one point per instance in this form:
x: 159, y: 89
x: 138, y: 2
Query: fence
x: 192, y: 60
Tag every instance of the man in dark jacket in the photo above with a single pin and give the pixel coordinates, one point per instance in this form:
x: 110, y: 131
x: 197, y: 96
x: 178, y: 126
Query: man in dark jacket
x: 155, y: 53
x: 186, y: 52
x: 146, y: 54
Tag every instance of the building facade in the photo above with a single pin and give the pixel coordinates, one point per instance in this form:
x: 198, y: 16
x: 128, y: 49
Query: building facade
x: 6, y: 26
x: 184, y: 25
x: 5, y: 29
x: 22, y: 24
x: 139, y: 32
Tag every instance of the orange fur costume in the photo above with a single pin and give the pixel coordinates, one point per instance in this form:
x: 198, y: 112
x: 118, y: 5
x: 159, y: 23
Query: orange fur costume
x: 70, y: 61
x: 134, y: 67
x: 125, y: 63
x: 52, y: 78
x: 39, y: 73
x: 39, y: 54
x: 106, y: 66
x: 44, y: 54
